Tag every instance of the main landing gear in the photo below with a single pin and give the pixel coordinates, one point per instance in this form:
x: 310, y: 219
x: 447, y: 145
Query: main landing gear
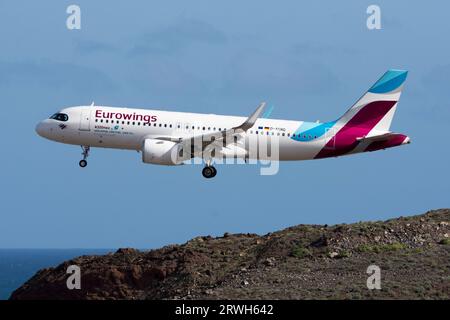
x: 209, y: 172
x: 83, y: 163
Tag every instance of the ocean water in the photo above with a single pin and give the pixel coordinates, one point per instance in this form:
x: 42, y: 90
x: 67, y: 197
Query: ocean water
x: 18, y: 265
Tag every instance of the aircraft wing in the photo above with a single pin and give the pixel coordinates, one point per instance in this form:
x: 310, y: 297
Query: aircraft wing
x: 210, y: 140
x: 230, y: 133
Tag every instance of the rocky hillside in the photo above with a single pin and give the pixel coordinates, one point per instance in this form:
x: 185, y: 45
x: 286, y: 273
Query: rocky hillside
x: 301, y: 262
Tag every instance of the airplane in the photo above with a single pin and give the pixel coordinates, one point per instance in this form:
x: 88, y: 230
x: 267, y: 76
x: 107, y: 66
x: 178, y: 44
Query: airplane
x: 171, y: 138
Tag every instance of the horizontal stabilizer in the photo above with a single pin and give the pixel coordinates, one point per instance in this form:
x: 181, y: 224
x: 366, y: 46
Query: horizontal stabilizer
x: 382, y: 137
x: 379, y: 137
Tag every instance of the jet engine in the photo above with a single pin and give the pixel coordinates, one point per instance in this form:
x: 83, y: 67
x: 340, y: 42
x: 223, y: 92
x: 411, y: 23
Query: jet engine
x: 161, y: 152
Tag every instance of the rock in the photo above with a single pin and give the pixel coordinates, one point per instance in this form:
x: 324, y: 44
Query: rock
x: 269, y: 261
x: 333, y: 254
x: 127, y: 251
x: 116, y: 276
x: 226, y: 234
x: 222, y: 267
x: 321, y: 242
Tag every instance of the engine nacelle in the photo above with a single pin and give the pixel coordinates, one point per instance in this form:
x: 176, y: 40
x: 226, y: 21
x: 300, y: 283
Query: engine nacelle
x: 162, y: 152
x: 232, y: 151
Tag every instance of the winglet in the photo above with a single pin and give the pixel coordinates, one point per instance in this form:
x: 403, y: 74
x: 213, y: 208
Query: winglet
x: 268, y: 112
x: 252, y: 119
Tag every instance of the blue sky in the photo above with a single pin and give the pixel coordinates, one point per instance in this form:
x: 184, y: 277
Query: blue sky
x: 310, y: 60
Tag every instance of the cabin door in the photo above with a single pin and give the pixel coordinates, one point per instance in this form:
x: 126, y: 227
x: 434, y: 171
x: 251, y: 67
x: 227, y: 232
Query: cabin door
x: 85, y: 120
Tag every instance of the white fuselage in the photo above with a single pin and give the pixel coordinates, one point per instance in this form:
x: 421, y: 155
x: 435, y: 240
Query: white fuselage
x: 127, y: 128
x: 172, y: 138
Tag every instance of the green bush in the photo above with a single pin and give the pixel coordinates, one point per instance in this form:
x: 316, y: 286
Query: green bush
x: 344, y: 254
x: 301, y: 252
x: 381, y: 247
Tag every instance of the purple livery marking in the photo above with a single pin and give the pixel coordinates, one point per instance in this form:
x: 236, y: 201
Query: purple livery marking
x: 358, y: 126
x: 393, y: 141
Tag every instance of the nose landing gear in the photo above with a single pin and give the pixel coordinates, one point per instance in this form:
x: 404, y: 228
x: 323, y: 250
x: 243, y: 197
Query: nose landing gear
x: 209, y: 172
x: 83, y: 163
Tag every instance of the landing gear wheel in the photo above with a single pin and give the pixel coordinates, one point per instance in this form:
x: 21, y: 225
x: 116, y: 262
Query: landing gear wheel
x: 83, y: 163
x: 215, y: 171
x: 209, y: 172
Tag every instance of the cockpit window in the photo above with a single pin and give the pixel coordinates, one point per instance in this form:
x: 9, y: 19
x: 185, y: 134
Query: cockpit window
x: 60, y: 117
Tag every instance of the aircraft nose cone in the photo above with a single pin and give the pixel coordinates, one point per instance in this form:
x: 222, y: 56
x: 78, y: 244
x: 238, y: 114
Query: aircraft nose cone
x: 40, y: 129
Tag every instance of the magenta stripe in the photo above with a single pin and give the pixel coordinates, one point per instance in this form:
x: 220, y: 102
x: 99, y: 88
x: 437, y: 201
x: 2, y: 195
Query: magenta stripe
x: 358, y: 126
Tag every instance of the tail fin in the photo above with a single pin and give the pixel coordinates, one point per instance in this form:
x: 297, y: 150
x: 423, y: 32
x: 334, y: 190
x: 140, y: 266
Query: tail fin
x: 376, y: 108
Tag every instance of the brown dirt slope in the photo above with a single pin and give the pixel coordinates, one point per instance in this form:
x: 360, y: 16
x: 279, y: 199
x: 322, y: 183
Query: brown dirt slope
x: 301, y: 262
